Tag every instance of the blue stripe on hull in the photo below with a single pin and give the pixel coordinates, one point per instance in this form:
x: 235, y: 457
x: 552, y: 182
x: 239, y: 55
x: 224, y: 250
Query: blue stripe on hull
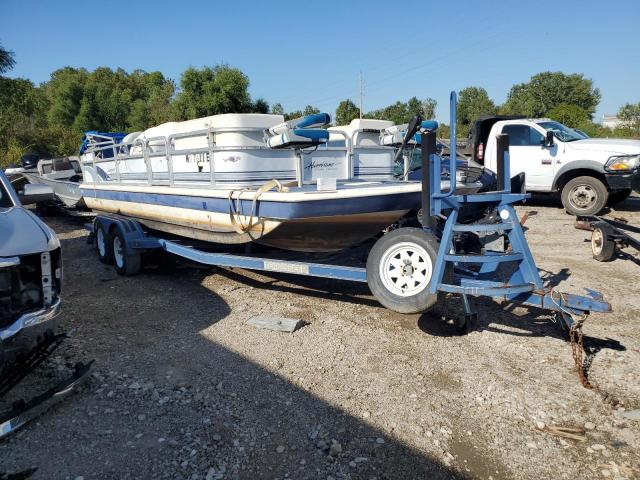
x: 270, y: 209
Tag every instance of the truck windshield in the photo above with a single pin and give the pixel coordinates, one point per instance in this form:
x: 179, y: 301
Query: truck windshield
x: 562, y: 132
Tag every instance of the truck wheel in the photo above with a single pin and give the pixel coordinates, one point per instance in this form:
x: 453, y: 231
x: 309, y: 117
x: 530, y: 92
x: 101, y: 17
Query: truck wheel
x: 584, y: 196
x: 104, y: 245
x: 618, y: 196
x: 400, y: 268
x: 126, y: 264
x: 602, y: 247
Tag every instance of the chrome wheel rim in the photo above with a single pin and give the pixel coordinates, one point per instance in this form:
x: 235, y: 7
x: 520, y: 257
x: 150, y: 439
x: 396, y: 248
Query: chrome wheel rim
x: 597, y: 241
x: 118, y: 253
x: 406, y: 269
x: 101, y: 243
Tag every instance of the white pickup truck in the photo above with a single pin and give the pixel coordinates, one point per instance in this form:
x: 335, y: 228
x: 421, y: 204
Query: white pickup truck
x: 588, y: 173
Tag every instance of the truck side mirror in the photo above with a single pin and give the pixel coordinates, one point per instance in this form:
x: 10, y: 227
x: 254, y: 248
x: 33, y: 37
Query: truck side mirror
x: 35, y: 193
x: 549, y: 140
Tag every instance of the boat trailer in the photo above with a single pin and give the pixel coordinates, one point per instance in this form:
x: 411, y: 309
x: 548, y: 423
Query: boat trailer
x: 408, y: 269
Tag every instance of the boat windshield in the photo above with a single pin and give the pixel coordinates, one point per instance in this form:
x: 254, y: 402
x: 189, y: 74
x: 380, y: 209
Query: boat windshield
x: 562, y: 132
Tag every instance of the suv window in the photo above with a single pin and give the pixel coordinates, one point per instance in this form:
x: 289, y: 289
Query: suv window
x: 523, y: 136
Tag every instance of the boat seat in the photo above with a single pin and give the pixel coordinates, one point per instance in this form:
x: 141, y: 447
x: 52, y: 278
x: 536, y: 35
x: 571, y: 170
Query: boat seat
x: 300, y: 133
x: 393, y: 136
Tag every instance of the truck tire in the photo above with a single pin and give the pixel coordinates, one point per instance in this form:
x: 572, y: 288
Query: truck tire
x: 584, y: 196
x: 602, y: 247
x: 618, y: 196
x: 400, y: 269
x: 126, y: 264
x: 104, y: 245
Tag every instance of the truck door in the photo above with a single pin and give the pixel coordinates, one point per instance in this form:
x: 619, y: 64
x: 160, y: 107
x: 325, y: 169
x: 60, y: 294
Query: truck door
x: 529, y: 155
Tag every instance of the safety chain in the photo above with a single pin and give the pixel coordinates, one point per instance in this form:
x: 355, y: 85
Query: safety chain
x: 577, y: 346
x: 577, y: 350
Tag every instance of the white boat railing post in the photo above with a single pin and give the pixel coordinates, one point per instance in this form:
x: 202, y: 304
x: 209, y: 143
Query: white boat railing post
x: 211, y: 145
x: 116, y: 160
x: 147, y: 161
x: 168, y: 152
x: 299, y: 168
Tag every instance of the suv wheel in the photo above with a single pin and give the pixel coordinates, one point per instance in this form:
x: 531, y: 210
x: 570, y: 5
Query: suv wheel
x: 584, y: 196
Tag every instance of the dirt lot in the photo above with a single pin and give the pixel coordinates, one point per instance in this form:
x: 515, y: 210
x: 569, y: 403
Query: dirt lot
x: 183, y: 388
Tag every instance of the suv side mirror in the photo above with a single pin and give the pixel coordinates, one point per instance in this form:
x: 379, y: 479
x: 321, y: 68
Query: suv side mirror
x: 549, y: 140
x: 35, y: 193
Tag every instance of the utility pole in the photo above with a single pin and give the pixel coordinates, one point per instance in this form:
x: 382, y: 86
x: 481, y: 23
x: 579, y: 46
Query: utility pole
x: 361, y: 92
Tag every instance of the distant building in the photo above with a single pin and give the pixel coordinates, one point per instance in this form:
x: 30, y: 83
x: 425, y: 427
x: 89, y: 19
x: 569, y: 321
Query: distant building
x: 611, y: 121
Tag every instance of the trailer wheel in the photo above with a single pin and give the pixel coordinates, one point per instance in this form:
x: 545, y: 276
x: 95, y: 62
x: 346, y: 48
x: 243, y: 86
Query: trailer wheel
x: 400, y: 268
x: 126, y: 264
x: 104, y: 245
x: 602, y: 247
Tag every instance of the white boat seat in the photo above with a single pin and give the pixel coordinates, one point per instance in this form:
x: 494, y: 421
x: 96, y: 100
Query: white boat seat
x: 300, y: 132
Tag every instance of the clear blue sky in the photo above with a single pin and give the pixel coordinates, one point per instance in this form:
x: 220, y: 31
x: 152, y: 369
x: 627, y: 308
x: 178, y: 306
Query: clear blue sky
x: 300, y: 53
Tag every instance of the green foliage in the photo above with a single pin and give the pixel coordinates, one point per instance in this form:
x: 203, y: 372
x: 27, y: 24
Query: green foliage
x: 630, y: 115
x: 547, y: 90
x: 6, y: 60
x: 308, y: 110
x: 51, y: 118
x: 346, y: 112
x: 401, y: 112
x: 472, y: 103
x: 212, y: 91
x: 260, y: 106
x: 571, y: 115
x: 277, y: 109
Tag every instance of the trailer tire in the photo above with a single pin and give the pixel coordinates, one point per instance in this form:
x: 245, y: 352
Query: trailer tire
x: 602, y: 248
x: 126, y: 264
x: 584, y: 195
x: 104, y: 245
x: 400, y: 270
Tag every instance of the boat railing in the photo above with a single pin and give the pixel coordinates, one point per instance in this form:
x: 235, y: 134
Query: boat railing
x: 162, y: 172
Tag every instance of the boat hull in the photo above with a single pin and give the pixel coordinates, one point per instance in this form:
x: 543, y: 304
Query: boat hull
x: 299, y: 221
x: 67, y: 192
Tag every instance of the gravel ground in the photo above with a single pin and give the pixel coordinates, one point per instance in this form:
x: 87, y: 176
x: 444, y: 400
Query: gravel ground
x: 182, y: 388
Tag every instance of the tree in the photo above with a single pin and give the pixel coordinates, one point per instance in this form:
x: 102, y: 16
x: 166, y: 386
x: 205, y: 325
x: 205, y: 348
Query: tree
x: 473, y: 102
x: 401, y: 112
x: 64, y: 92
x: 310, y: 110
x: 277, y: 109
x: 547, y: 90
x: 571, y: 115
x: 211, y: 91
x: 346, y: 112
x: 425, y: 108
x: 260, y: 106
x: 7, y: 60
x: 630, y: 115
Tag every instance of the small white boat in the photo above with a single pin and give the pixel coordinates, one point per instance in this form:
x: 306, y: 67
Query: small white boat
x: 63, y: 175
x: 238, y: 178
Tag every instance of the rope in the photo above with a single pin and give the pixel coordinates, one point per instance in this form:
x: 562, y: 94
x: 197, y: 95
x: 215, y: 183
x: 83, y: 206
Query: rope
x: 235, y: 213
